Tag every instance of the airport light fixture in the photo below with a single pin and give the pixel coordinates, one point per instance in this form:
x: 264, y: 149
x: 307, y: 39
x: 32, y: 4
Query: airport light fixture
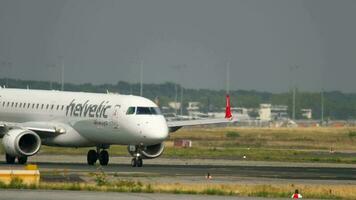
x: 294, y: 86
x: 49, y: 67
x: 8, y: 65
x: 61, y: 61
x: 141, y: 79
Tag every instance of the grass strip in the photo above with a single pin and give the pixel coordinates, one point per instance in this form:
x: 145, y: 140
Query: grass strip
x: 206, y: 188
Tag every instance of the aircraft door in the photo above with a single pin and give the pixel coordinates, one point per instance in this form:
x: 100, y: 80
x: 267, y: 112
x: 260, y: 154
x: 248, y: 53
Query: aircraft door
x: 117, y: 115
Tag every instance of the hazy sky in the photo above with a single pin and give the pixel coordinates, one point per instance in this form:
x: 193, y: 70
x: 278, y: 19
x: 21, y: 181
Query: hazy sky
x: 189, y: 41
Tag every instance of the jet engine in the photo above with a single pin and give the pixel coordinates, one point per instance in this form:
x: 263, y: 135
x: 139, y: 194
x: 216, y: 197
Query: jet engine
x: 148, y: 152
x: 19, y: 142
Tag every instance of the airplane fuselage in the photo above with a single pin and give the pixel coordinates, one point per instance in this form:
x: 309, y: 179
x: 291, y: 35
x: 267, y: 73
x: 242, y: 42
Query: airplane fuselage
x: 89, y: 119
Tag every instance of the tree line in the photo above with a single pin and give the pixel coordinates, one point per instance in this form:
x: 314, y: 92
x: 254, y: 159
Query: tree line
x: 337, y: 105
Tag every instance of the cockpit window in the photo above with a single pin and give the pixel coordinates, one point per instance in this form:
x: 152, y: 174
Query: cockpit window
x: 148, y: 111
x: 144, y: 111
x: 131, y: 111
x: 155, y: 111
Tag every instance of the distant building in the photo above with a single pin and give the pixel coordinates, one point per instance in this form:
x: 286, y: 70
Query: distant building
x: 265, y: 112
x: 238, y: 112
x: 307, y: 113
x: 193, y: 106
x: 174, y: 105
x: 193, y: 109
x: 270, y: 112
x: 279, y: 112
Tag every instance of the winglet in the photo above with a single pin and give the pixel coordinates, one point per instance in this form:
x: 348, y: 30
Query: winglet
x: 228, y: 114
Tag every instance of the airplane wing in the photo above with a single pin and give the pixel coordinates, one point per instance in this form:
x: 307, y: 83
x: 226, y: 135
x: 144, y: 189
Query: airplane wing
x: 43, y: 129
x: 175, y: 125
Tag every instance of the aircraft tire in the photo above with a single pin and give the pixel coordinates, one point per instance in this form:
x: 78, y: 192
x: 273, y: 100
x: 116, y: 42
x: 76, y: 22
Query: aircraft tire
x: 139, y: 162
x: 133, y: 162
x: 104, y: 158
x: 136, y: 162
x: 22, y: 160
x: 10, y: 159
x: 92, y: 156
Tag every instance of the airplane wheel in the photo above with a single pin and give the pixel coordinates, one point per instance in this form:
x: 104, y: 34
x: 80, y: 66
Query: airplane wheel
x: 92, y: 156
x: 133, y: 162
x: 136, y: 162
x: 104, y: 157
x: 22, y: 160
x: 139, y: 162
x: 10, y: 159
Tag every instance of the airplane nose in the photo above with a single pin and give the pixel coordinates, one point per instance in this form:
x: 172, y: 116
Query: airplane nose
x: 159, y: 132
x: 156, y: 132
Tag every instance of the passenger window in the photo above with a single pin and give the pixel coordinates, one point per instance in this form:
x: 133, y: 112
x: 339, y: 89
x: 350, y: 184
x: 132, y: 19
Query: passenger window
x: 47, y: 106
x: 28, y: 105
x: 62, y: 107
x: 131, y: 111
x: 8, y: 104
x: 38, y: 105
x: 16, y: 105
x: 24, y: 105
x: 42, y: 106
x: 3, y: 104
x: 33, y: 105
x: 52, y: 107
x: 57, y: 107
x: 20, y: 105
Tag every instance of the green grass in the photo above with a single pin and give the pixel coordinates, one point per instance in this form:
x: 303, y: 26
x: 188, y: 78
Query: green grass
x: 258, y: 154
x: 268, y: 191
x: 352, y: 134
x: 232, y: 134
x: 265, y: 144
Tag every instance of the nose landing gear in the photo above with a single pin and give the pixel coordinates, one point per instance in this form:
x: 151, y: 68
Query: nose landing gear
x: 136, y: 162
x: 135, y: 151
x: 100, y: 154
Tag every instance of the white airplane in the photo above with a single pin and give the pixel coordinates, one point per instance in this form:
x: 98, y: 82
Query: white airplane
x: 30, y: 118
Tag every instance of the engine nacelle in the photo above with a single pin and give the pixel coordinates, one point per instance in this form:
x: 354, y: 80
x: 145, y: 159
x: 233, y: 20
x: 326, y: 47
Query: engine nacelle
x: 148, y: 152
x: 19, y: 142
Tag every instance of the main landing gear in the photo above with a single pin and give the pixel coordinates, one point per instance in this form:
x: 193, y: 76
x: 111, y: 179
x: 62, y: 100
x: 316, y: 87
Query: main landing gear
x: 11, y: 159
x: 100, y: 154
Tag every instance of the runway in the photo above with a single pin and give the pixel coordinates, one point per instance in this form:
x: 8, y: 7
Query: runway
x: 186, y: 170
x: 313, y: 173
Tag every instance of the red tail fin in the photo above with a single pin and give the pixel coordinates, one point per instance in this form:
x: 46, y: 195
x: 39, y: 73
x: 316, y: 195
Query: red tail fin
x: 228, y: 107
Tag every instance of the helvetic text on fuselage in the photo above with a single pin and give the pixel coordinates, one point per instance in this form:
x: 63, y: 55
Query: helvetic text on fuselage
x: 87, y: 109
